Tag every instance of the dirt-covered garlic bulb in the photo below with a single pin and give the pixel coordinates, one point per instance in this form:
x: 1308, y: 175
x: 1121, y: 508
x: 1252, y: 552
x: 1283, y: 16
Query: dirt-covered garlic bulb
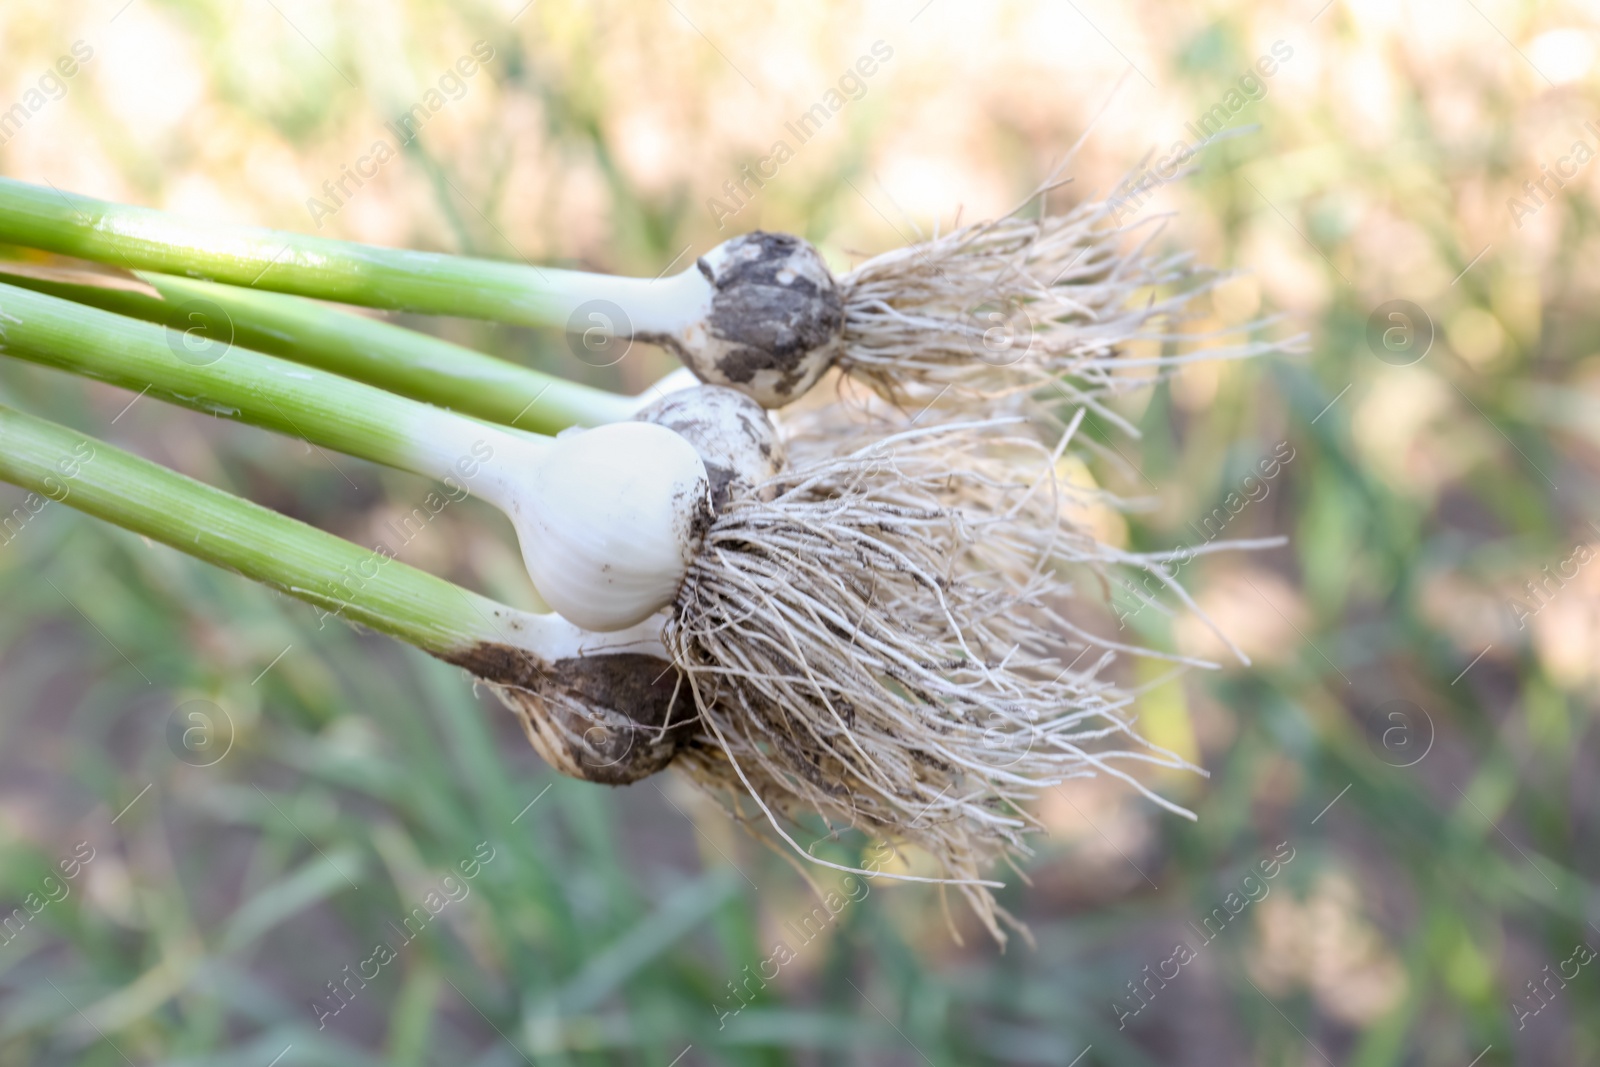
x: 603, y: 707
x: 772, y: 322
x: 608, y: 718
x: 1042, y: 307
x: 733, y: 434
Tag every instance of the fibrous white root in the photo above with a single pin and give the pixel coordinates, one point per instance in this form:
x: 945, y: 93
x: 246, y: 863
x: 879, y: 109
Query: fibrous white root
x: 891, y: 641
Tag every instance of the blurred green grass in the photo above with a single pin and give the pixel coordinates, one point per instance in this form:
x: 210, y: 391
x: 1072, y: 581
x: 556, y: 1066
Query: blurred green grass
x: 609, y: 925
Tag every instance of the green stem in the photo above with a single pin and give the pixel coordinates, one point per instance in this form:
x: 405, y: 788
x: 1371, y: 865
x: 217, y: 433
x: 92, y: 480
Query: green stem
x: 313, y: 405
x: 138, y: 238
x: 342, y: 579
x: 391, y: 357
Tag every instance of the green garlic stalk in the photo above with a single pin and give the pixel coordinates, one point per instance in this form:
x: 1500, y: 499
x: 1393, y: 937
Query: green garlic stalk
x: 393, y: 358
x: 606, y: 518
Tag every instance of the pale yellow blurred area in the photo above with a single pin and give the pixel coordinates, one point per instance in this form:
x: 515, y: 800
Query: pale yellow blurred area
x: 1324, y: 944
x: 244, y: 110
x: 1255, y: 609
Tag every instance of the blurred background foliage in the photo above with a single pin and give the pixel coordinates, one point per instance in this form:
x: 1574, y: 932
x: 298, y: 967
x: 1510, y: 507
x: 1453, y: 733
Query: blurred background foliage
x: 1417, y: 729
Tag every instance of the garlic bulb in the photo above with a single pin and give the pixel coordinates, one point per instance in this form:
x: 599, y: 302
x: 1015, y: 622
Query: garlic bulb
x: 609, y: 519
x: 611, y: 719
x: 733, y: 434
x: 601, y: 707
x: 769, y: 323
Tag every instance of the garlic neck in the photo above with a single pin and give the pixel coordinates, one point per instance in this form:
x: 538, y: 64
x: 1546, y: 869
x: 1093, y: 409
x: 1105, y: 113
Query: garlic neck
x: 552, y: 638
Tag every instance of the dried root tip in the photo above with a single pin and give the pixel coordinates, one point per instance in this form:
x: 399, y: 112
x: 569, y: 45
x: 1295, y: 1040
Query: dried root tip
x: 606, y: 718
x: 775, y: 321
x: 733, y: 434
x: 1042, y: 306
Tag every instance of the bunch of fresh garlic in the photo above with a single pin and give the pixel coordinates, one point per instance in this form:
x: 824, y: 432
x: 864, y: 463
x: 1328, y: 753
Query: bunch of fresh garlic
x: 873, y: 624
x: 853, y: 610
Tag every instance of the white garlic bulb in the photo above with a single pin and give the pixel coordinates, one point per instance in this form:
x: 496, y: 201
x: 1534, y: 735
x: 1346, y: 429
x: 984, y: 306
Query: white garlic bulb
x: 609, y: 519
